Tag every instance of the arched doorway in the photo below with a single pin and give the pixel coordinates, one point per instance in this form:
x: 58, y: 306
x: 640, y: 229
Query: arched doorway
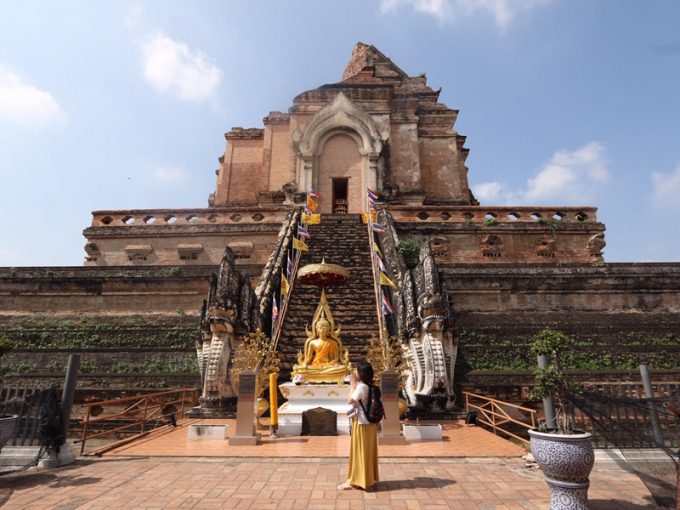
x: 339, y: 179
x: 340, y: 142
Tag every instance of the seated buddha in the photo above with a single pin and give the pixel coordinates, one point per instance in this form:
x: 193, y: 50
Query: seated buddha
x: 324, y: 359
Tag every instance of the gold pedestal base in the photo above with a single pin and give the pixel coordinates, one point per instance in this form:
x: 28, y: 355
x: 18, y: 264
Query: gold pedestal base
x: 327, y: 374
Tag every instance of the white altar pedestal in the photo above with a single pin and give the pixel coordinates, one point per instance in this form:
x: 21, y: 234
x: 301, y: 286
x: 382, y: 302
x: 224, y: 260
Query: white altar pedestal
x: 303, y: 397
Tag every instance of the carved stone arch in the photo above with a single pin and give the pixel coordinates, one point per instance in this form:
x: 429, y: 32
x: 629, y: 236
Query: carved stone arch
x: 340, y: 113
x: 339, y: 131
x: 340, y: 116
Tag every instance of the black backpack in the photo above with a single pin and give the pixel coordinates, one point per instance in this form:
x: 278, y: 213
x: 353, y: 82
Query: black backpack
x: 374, y: 410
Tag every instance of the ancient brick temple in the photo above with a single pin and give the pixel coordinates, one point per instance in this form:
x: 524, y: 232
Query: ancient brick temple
x: 505, y: 271
x: 378, y: 128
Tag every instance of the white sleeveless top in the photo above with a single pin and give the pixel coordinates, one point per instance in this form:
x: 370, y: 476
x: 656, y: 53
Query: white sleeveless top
x: 360, y: 394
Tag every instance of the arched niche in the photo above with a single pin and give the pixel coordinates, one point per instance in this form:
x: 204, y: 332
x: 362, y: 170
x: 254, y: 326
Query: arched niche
x: 340, y: 117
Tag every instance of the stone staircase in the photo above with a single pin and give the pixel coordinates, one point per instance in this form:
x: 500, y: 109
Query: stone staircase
x: 341, y: 239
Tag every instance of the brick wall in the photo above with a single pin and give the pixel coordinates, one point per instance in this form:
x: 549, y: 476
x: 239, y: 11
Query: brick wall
x: 404, y: 161
x: 443, y: 177
x: 280, y: 157
x: 247, y: 175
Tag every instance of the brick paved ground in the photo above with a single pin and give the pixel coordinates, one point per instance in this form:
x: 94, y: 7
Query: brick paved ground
x: 470, y: 469
x: 299, y: 483
x: 460, y: 440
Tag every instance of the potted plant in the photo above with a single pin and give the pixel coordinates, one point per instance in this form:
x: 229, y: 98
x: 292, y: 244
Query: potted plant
x: 7, y: 421
x: 564, y: 454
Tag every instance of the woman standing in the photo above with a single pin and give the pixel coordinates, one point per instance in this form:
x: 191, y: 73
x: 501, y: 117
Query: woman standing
x: 363, y: 452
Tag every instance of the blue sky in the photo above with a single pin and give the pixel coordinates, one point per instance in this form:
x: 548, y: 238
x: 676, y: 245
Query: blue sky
x: 114, y: 105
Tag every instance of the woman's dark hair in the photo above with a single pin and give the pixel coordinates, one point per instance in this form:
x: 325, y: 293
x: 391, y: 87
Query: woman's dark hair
x: 365, y: 372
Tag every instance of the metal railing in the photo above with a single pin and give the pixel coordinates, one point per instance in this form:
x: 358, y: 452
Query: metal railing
x: 498, y: 414
x: 27, y: 404
x: 138, y: 415
x: 619, y: 415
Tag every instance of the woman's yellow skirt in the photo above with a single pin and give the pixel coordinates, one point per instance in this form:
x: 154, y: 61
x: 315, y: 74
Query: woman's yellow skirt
x: 363, y: 455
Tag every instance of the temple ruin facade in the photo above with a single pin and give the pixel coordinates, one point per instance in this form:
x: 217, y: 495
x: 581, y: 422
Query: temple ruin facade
x: 488, y: 276
x: 377, y: 128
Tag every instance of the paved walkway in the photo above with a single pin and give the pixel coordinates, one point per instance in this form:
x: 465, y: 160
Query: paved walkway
x: 290, y: 484
x: 470, y: 469
x: 460, y: 440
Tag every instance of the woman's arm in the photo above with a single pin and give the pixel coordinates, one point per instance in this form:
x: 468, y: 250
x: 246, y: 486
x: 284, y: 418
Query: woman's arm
x: 352, y: 387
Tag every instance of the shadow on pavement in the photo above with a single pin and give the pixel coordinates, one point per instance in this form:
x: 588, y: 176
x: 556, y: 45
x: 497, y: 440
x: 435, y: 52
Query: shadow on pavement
x: 30, y: 480
x: 617, y: 504
x: 419, y: 482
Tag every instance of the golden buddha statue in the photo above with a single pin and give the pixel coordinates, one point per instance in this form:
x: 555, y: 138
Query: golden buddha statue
x: 324, y: 359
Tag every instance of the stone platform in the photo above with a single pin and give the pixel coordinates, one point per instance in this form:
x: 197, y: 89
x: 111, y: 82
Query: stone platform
x: 303, y: 397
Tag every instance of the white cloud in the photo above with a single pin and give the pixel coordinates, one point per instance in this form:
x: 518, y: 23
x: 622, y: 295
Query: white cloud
x: 503, y: 12
x: 570, y: 177
x: 173, y: 68
x: 488, y: 191
x: 667, y: 188
x: 168, y: 174
x: 26, y: 105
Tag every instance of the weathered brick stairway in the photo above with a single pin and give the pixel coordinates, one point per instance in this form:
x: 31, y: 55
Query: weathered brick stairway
x: 341, y: 239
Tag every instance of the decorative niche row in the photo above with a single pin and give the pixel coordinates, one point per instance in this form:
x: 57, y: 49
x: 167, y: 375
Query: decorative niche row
x: 185, y: 251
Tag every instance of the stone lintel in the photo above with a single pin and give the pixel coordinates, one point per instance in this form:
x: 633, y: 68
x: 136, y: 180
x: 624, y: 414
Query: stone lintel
x: 241, y: 248
x: 232, y: 207
x: 138, y: 248
x: 507, y: 227
x: 413, y: 198
x: 270, y: 197
x: 186, y: 248
x: 276, y: 118
x: 435, y: 132
x: 93, y: 233
x: 239, y: 133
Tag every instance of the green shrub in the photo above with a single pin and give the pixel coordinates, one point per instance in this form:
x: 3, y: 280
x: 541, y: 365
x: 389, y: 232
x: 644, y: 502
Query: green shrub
x: 410, y: 250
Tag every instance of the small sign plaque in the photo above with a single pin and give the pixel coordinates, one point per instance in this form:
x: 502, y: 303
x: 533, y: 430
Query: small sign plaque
x: 246, y: 386
x: 319, y: 422
x: 389, y: 386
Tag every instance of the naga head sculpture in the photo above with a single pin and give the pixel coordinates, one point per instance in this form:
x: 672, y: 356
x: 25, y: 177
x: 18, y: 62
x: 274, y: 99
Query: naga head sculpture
x: 222, y: 316
x: 431, y: 311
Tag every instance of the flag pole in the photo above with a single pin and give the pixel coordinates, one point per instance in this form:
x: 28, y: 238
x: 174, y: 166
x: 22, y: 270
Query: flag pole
x: 291, y: 282
x: 376, y: 284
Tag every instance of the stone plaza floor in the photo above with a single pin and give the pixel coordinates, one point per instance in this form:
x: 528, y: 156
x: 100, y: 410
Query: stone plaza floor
x: 300, y: 475
x: 459, y: 440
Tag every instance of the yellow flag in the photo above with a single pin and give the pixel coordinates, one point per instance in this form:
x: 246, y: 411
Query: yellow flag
x: 310, y: 219
x: 312, y: 204
x: 284, y: 285
x: 299, y: 245
x: 376, y: 249
x: 384, y: 280
x: 365, y: 217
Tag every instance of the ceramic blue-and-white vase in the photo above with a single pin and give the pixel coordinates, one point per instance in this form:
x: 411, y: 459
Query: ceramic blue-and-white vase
x: 563, y: 457
x: 566, y: 461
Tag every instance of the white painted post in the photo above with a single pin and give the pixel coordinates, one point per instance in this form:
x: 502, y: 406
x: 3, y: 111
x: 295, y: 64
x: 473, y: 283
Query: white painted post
x: 245, y: 433
x: 391, y: 426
